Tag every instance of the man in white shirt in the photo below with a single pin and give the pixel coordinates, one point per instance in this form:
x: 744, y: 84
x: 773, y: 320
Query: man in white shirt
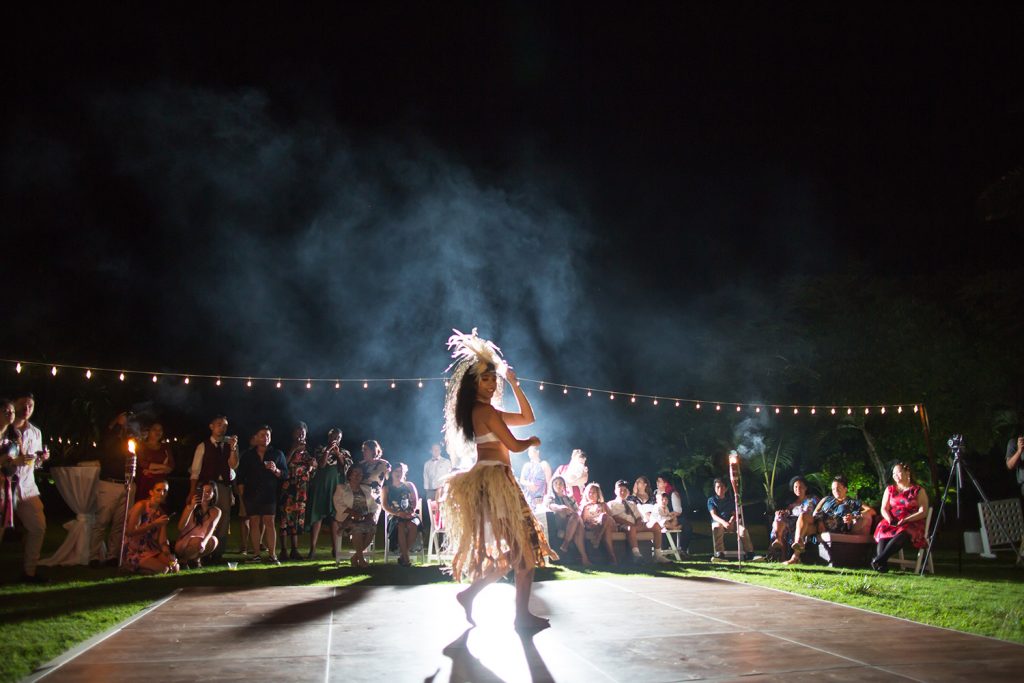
x: 27, y: 504
x: 434, y: 472
x: 631, y: 521
x: 214, y: 460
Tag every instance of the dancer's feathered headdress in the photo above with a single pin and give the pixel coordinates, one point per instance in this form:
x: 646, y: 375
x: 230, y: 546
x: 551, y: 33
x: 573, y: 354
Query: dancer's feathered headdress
x: 472, y: 355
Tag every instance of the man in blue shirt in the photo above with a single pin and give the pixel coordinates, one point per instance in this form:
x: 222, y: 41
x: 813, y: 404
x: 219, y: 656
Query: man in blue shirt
x: 722, y: 508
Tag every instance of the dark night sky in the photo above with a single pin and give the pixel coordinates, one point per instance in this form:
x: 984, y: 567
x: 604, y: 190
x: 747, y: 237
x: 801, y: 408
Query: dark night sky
x: 366, y: 180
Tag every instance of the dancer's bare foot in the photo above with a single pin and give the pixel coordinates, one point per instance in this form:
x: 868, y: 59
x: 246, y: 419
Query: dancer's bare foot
x: 466, y: 600
x: 531, y: 622
x: 793, y: 560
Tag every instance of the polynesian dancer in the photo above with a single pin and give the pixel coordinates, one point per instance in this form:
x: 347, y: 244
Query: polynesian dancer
x: 489, y: 526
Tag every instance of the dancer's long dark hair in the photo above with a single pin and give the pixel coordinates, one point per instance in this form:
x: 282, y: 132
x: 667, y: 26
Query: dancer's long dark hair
x: 465, y: 400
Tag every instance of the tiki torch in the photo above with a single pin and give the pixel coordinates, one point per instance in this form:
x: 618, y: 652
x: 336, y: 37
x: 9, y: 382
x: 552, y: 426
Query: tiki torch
x: 129, y: 481
x: 737, y: 488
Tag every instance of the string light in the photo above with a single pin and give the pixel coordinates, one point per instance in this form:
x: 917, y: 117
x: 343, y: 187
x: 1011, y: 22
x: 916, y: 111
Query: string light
x: 278, y: 385
x: 677, y: 404
x: 883, y: 410
x: 738, y: 409
x: 633, y: 399
x: 867, y: 410
x: 88, y: 374
x: 900, y: 410
x: 777, y: 411
x: 915, y: 409
x: 611, y: 397
x: 565, y: 391
x: 17, y: 368
x: 418, y: 384
x: 366, y: 385
x: 121, y: 377
x: 757, y: 409
x: 697, y: 407
x: 542, y: 386
x: 154, y: 379
x: 849, y: 411
x: 812, y: 411
x: 186, y: 380
x: 218, y: 382
x: 309, y: 385
x: 248, y: 382
x: 392, y: 384
x: 796, y: 411
x: 53, y: 371
x: 718, y: 407
x: 833, y: 411
x: 655, y: 401
x: 589, y: 393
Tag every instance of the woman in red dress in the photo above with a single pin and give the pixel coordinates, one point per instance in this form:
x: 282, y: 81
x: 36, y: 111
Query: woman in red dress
x: 904, y: 510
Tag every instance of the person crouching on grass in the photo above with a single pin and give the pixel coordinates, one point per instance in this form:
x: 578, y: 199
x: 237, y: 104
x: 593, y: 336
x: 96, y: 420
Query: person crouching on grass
x: 146, y: 548
x: 197, y: 529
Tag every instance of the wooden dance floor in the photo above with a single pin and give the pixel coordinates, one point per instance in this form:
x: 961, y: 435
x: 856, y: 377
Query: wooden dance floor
x: 622, y: 629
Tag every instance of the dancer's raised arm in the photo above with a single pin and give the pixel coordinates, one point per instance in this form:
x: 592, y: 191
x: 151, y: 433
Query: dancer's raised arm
x: 525, y: 415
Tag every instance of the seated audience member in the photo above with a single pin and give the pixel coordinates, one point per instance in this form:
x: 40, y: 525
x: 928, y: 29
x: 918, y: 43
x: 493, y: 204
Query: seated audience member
x: 904, y: 509
x: 722, y: 508
x: 375, y: 468
x: 598, y: 523
x: 534, y: 478
x: 355, y: 510
x: 784, y: 524
x: 400, y: 499
x: 837, y: 514
x: 631, y: 521
x: 575, y: 473
x: 146, y: 548
x: 664, y: 485
x: 567, y: 519
x: 197, y: 537
x: 642, y: 494
x: 663, y: 515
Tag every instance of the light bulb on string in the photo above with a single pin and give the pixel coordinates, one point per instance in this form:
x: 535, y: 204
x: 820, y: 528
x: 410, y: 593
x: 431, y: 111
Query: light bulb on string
x: 186, y: 380
x: 833, y: 411
x: 392, y: 384
x: 218, y: 382
x: 309, y: 385
x: 777, y: 410
x: 655, y: 401
x: 278, y: 385
x: 633, y: 399
x: 611, y: 397
x: 154, y: 379
x: 248, y: 382
x: 677, y: 404
x: 738, y: 408
x: 542, y: 386
x: 88, y: 374
x: 757, y: 409
x: 419, y: 384
x: 589, y: 393
x: 718, y: 406
x: 813, y: 411
x: 900, y: 410
x: 867, y: 410
x: 882, y: 410
x: 915, y: 409
x: 696, y: 407
x: 366, y: 385
x: 796, y: 411
x: 849, y: 411
x: 17, y: 368
x: 565, y: 390
x: 121, y: 377
x: 53, y: 371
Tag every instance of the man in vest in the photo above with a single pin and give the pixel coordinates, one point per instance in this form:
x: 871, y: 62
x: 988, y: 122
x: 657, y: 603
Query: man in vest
x: 214, y: 460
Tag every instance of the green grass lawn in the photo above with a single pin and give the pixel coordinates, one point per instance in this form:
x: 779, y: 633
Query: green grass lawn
x: 987, y: 598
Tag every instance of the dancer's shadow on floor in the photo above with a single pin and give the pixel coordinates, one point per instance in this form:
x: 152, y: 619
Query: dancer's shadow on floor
x: 466, y: 667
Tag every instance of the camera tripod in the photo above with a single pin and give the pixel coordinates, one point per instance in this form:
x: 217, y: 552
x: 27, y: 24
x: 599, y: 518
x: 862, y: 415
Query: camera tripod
x: 957, y: 470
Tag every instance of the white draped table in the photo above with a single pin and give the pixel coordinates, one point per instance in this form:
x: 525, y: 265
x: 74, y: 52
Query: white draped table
x: 77, y: 485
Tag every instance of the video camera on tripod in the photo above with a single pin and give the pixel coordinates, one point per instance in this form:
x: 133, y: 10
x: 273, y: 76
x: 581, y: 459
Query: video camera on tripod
x: 956, y: 444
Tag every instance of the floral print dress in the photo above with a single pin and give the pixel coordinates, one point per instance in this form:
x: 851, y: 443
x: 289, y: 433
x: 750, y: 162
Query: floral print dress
x: 295, y: 490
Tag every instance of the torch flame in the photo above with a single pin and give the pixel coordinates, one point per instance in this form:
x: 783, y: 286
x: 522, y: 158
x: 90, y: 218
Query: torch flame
x: 734, y: 458
x: 131, y: 446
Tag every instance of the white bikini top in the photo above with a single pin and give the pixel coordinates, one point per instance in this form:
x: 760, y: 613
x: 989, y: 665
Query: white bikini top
x: 489, y: 437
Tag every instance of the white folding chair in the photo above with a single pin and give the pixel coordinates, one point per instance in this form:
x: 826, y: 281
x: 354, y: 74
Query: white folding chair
x: 387, y: 540
x: 436, y: 531
x: 673, y: 537
x: 901, y: 561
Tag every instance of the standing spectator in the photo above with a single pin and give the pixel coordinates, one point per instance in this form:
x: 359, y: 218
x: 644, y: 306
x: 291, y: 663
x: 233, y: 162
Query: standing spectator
x: 575, y: 473
x: 356, y: 509
x: 434, y: 472
x: 904, y: 509
x: 375, y: 467
x: 1014, y: 460
x: 10, y: 452
x: 675, y: 505
x: 332, y: 461
x: 260, y: 472
x: 155, y: 461
x: 112, y: 496
x: 147, y: 550
x: 400, y: 500
x: 295, y: 488
x: 631, y: 521
x: 25, y: 492
x: 214, y: 459
x: 198, y: 526
x: 722, y: 508
x: 535, y: 478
